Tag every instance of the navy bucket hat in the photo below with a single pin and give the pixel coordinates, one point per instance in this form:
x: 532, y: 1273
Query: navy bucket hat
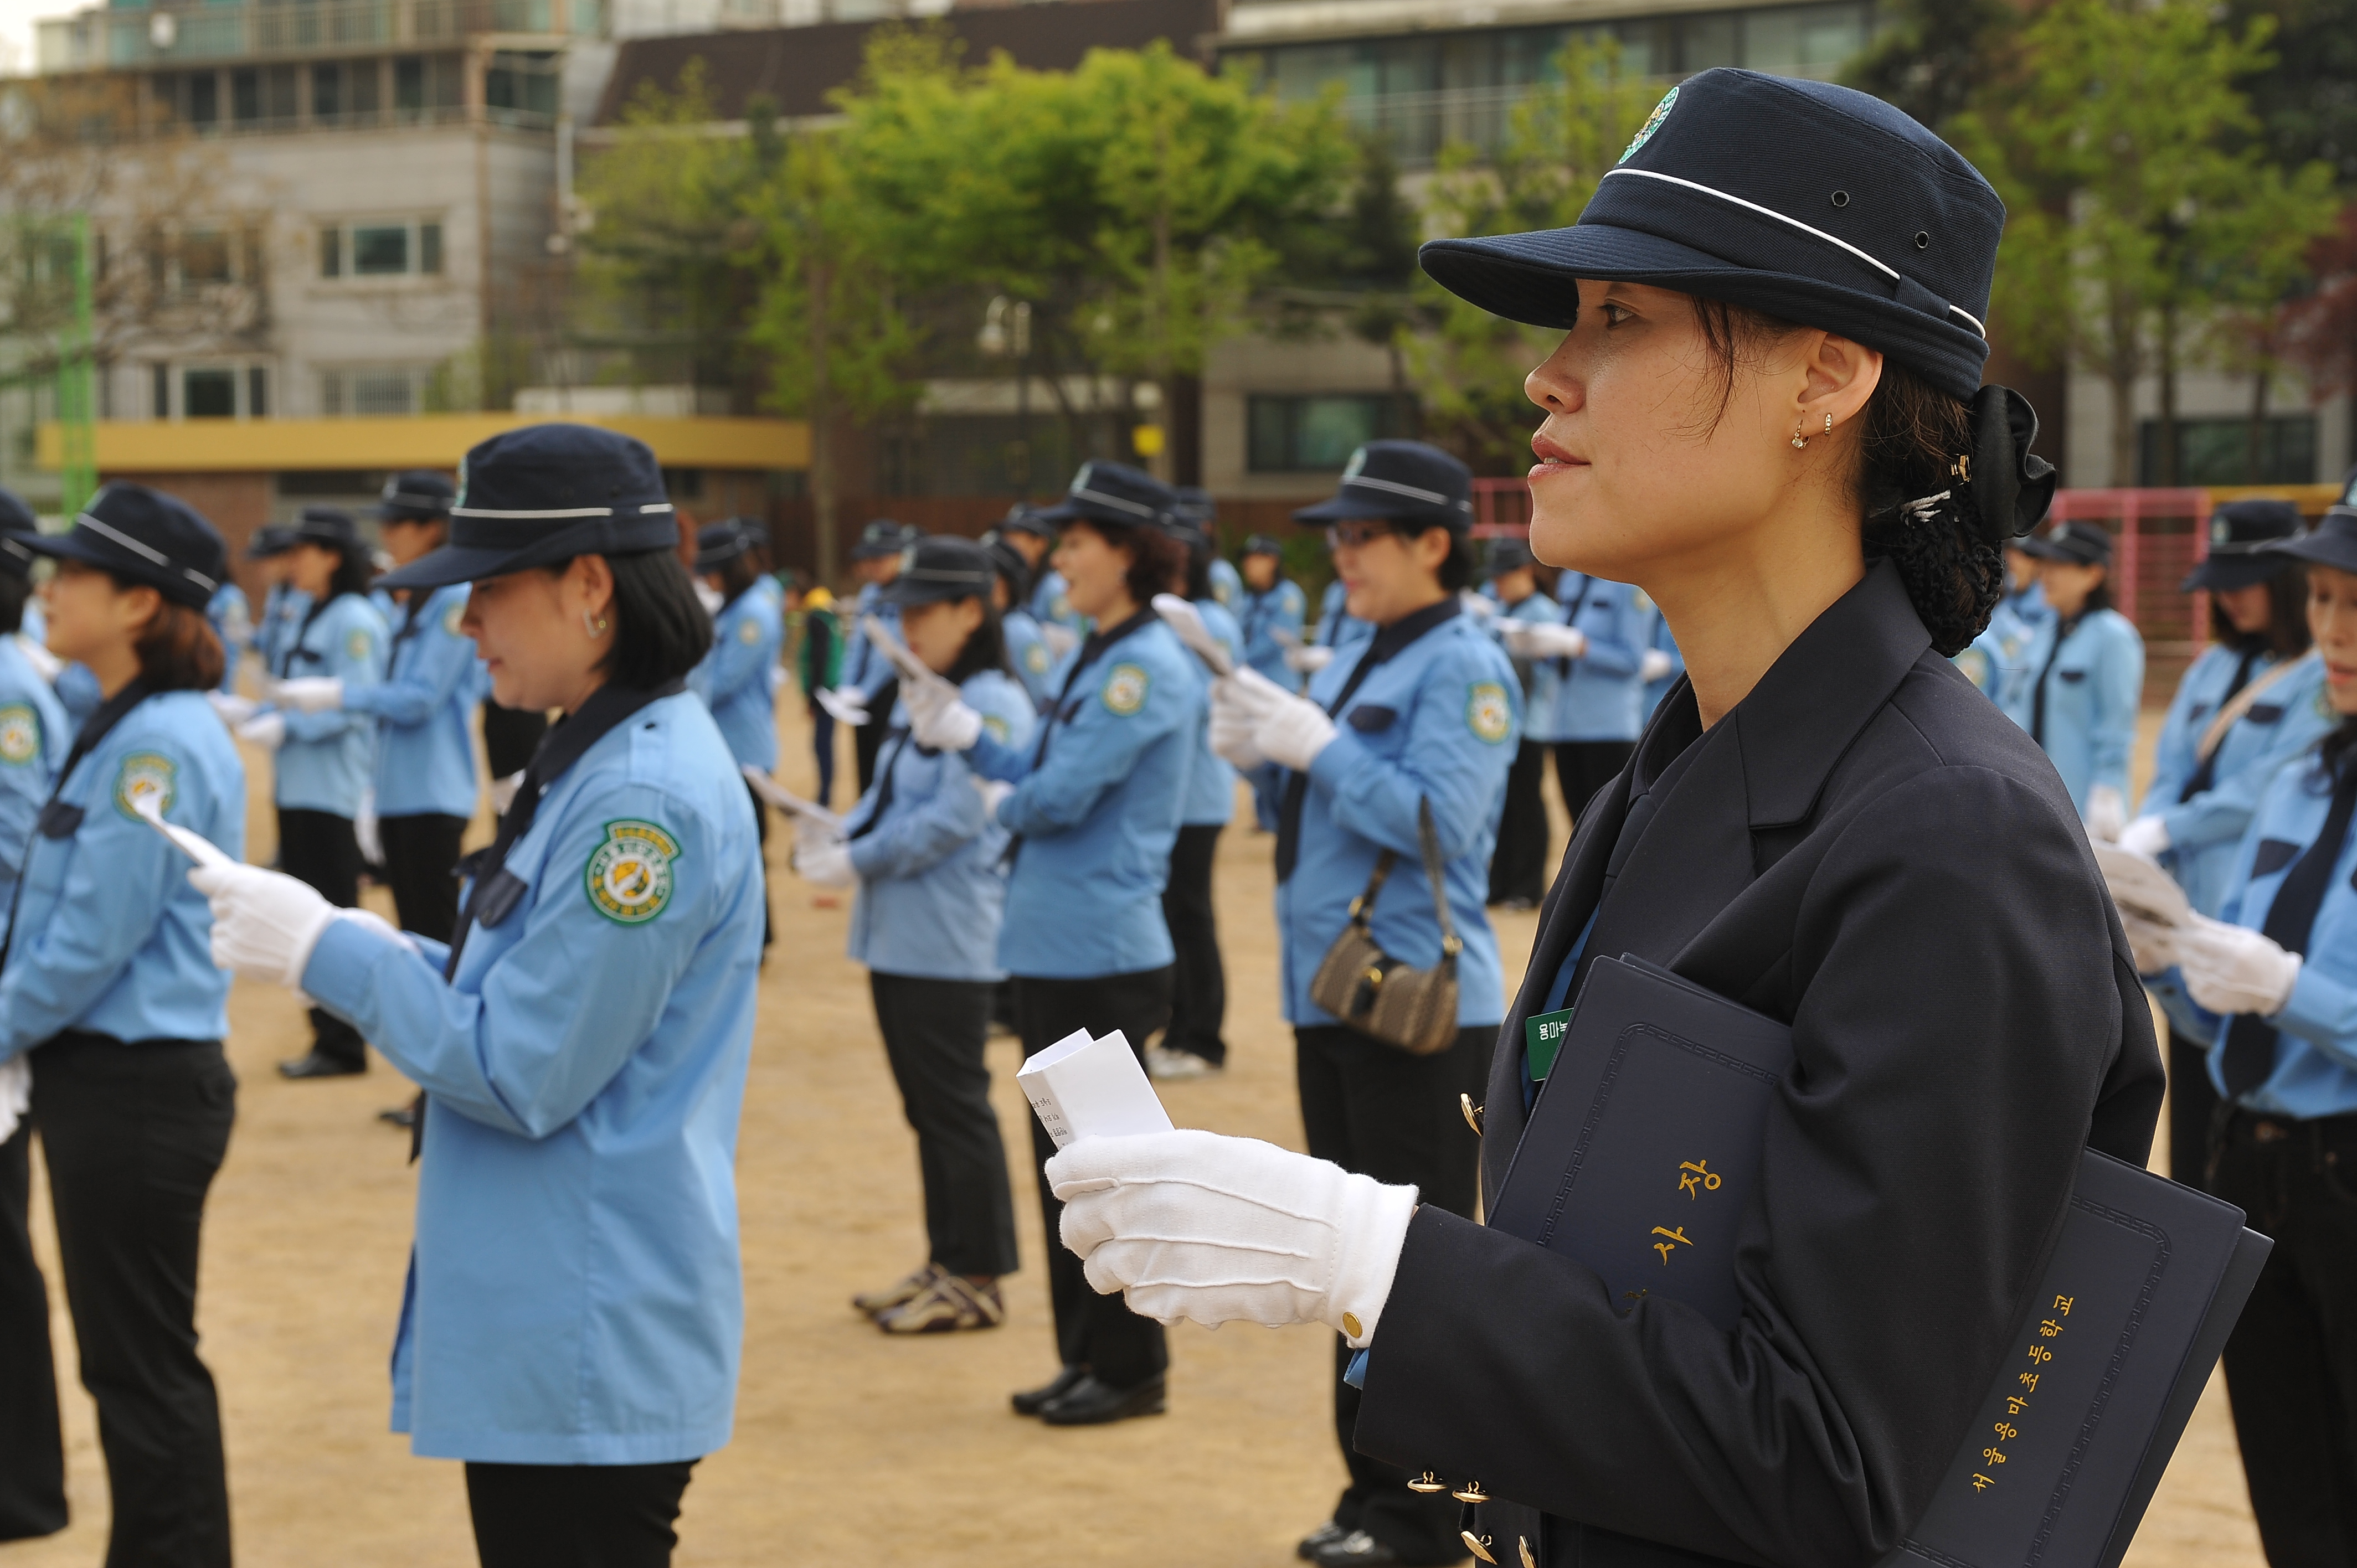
x: 544, y: 494
x: 1114, y: 492
x: 2332, y: 542
x: 1399, y: 481
x: 144, y: 536
x: 419, y: 495
x: 1808, y: 202
x: 2241, y: 534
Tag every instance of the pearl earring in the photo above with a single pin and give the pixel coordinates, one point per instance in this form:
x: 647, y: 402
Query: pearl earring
x: 1799, y: 439
x: 595, y: 628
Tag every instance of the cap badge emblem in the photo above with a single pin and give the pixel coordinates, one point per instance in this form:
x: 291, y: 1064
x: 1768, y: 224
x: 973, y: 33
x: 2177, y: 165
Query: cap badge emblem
x: 1652, y: 123
x: 1356, y: 466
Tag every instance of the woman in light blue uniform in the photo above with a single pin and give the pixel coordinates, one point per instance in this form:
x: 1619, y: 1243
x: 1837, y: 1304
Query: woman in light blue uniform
x: 2085, y: 674
x: 573, y: 1320
x: 1027, y: 653
x: 927, y: 858
x: 1994, y: 661
x: 1601, y: 704
x: 34, y: 733
x: 325, y: 758
x: 232, y: 621
x: 2253, y: 701
x: 108, y: 988
x: 749, y: 637
x: 1271, y: 613
x: 1095, y: 811
x: 1413, y: 726
x: 1518, y: 864
x: 2275, y: 977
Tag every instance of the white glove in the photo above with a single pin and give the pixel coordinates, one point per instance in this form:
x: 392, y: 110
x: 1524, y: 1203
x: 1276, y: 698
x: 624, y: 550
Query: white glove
x: 46, y: 664
x: 848, y: 706
x: 266, y: 730
x: 2233, y: 968
x: 232, y: 709
x: 993, y: 793
x: 307, y: 694
x: 503, y: 792
x: 1193, y: 1224
x: 1654, y: 664
x: 1514, y: 636
x: 265, y: 922
x: 1308, y: 659
x: 1544, y: 639
x: 1293, y: 733
x: 1061, y: 639
x: 2154, y: 944
x: 16, y: 1094
x: 2107, y: 814
x: 365, y: 833
x: 1239, y: 701
x: 935, y: 709
x: 2147, y: 836
x: 826, y: 862
x: 709, y: 597
x: 1476, y: 605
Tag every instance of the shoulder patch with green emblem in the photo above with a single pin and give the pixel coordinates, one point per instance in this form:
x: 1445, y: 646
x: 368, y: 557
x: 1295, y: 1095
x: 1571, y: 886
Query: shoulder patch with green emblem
x: 357, y: 643
x: 629, y: 876
x: 453, y: 615
x: 749, y: 631
x: 997, y: 728
x: 1124, y: 690
x: 1487, y: 713
x: 20, y: 735
x: 1035, y: 660
x: 1974, y: 663
x: 146, y: 775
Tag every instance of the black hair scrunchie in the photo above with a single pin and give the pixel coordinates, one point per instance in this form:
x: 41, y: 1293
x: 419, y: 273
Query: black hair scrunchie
x: 2008, y: 485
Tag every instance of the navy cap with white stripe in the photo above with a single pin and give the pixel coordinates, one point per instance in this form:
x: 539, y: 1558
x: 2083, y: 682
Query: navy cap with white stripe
x: 16, y: 518
x: 144, y: 536
x: 1114, y: 492
x: 1810, y: 202
x: 1399, y: 481
x: 542, y: 495
x: 416, y: 495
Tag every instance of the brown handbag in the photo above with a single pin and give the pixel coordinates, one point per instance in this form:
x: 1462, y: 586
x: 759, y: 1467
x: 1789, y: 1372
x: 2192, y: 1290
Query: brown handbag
x: 1375, y: 993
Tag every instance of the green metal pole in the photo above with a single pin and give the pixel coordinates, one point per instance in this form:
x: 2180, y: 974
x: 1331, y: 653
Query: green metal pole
x: 77, y: 386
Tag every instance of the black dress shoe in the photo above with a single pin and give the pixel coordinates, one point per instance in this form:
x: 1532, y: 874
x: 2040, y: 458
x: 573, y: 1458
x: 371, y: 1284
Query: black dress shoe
x: 1031, y: 1401
x: 402, y: 1116
x: 316, y: 1066
x: 1317, y: 1540
x: 1356, y: 1549
x: 1091, y: 1402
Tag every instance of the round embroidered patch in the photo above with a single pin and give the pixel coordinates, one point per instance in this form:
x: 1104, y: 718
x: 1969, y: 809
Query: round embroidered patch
x: 629, y: 876
x: 146, y: 775
x: 357, y: 644
x: 1035, y: 660
x: 1974, y: 663
x: 20, y: 735
x: 748, y: 632
x: 1124, y: 690
x: 997, y: 728
x: 1652, y: 123
x: 1487, y: 713
x: 453, y: 615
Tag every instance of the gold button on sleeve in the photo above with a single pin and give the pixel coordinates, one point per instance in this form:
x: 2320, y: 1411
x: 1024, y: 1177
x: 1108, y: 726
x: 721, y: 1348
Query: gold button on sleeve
x: 1351, y: 1324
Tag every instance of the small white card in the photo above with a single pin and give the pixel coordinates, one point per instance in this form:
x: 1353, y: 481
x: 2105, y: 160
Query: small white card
x: 1084, y: 1088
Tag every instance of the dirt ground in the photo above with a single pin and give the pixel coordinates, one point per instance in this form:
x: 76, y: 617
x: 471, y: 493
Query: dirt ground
x: 848, y: 1446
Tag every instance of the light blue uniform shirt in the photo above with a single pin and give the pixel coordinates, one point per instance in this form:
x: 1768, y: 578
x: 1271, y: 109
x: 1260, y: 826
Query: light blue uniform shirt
x: 34, y: 740
x: 78, y: 693
x: 1098, y: 812
x: 1211, y: 780
x: 1661, y: 642
x: 1227, y: 583
x: 1283, y: 608
x: 865, y: 668
x: 1997, y: 661
x: 329, y: 758
x: 2316, y: 1039
x: 1337, y: 627
x: 425, y: 746
x: 110, y: 937
x: 1052, y: 604
x: 2093, y: 688
x: 1438, y: 721
x: 747, y: 636
x: 574, y: 1295
x: 931, y: 862
x: 282, y: 617
x: 1027, y: 654
x: 2285, y: 721
x: 1601, y: 697
x: 1540, y: 678
x: 233, y: 625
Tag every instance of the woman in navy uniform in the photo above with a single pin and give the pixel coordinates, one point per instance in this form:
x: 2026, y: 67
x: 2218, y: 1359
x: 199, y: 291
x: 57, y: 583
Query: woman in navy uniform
x: 1095, y: 809
x: 107, y: 987
x: 574, y: 1315
x: 2252, y: 702
x: 2083, y: 678
x: 927, y: 858
x: 1762, y: 413
x: 749, y: 637
x: 2275, y: 977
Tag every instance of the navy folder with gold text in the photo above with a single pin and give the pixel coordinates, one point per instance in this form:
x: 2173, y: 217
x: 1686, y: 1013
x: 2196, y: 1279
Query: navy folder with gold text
x: 1643, y: 1152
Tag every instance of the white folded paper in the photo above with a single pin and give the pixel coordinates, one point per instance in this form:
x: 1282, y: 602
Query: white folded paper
x: 195, y: 845
x: 1084, y: 1088
x: 785, y: 800
x: 2140, y: 887
x: 907, y: 664
x: 1188, y: 621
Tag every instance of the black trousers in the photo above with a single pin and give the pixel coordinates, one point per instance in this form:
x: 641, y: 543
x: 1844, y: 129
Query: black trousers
x: 1377, y: 1111
x: 1518, y: 867
x: 2193, y: 1109
x: 934, y: 1035
x: 1198, y: 998
x: 761, y: 837
x: 575, y: 1516
x: 869, y: 738
x: 823, y: 752
x: 2291, y: 1366
x: 317, y: 848
x: 1584, y: 767
x: 509, y: 737
x: 421, y: 867
x: 32, y: 1451
x: 133, y: 1134
x: 1098, y: 1332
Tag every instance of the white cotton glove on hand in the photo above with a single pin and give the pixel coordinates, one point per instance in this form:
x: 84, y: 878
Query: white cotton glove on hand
x: 1476, y: 605
x: 1293, y: 733
x: 1239, y: 701
x: 825, y: 863
x: 938, y: 717
x: 268, y: 731
x: 365, y: 832
x: 2107, y: 814
x: 232, y: 709
x: 2154, y: 944
x: 265, y: 922
x: 2233, y: 968
x: 16, y: 1095
x: 993, y: 793
x: 1653, y: 665
x: 308, y: 693
x: 2147, y: 836
x: 1544, y: 639
x: 847, y: 706
x: 1214, y: 1229
x: 1308, y: 659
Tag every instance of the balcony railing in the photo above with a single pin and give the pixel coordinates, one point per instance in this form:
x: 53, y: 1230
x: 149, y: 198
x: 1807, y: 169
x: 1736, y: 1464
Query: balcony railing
x: 117, y: 38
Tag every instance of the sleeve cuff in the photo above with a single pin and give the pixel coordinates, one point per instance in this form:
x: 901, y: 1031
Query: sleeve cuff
x: 1342, y: 757
x: 342, y: 967
x: 2319, y: 1009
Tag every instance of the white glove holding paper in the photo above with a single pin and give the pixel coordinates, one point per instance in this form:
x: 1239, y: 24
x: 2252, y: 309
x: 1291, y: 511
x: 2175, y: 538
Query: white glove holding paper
x: 2147, y: 836
x: 825, y: 863
x: 1653, y: 664
x: 1214, y: 1229
x: 938, y: 715
x: 1479, y: 606
x: 308, y: 693
x: 365, y: 830
x: 1293, y: 732
x: 1239, y: 701
x: 2233, y: 968
x: 2107, y: 814
x: 46, y: 664
x: 16, y: 1095
x: 845, y: 706
x: 2154, y: 944
x: 1544, y: 639
x: 265, y: 922
x: 1061, y: 639
x: 232, y: 709
x: 993, y: 793
x: 1308, y: 659
x: 267, y: 730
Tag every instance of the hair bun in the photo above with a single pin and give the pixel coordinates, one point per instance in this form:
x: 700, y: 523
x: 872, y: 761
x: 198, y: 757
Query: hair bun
x: 2010, y: 486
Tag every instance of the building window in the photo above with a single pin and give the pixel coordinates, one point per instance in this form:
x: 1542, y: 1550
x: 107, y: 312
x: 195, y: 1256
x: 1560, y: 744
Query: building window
x: 159, y: 403
x: 326, y: 92
x: 209, y: 395
x: 1305, y: 435
x: 257, y: 391
x: 2218, y: 451
x: 522, y: 87
x: 380, y: 249
x: 379, y: 390
x: 393, y: 247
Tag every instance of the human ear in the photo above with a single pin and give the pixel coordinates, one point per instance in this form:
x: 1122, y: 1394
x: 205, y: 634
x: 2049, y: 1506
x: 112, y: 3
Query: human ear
x: 1838, y: 377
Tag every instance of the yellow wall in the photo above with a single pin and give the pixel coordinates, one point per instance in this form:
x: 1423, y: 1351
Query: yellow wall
x: 422, y: 440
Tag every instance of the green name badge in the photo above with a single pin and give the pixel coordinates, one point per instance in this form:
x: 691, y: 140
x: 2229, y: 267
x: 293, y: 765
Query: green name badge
x: 1542, y: 1039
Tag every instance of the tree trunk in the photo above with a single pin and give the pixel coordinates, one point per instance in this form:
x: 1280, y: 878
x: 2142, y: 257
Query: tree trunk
x: 2120, y: 367
x: 2255, y: 438
x: 2164, y: 435
x: 821, y: 421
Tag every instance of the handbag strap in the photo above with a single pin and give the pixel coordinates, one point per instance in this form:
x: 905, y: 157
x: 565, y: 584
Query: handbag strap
x: 1428, y: 840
